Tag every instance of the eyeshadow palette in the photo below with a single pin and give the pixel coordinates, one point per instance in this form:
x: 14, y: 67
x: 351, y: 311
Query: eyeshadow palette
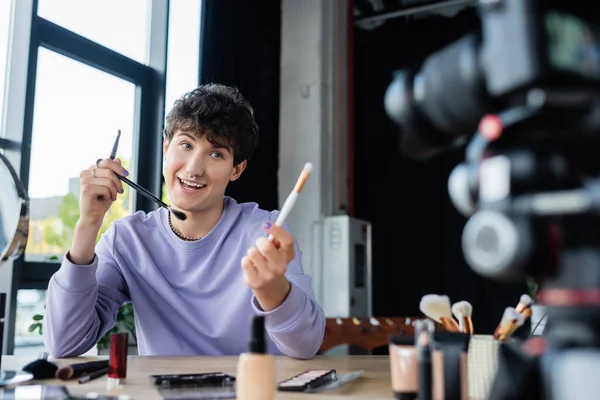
x: 307, y: 380
x: 207, y: 379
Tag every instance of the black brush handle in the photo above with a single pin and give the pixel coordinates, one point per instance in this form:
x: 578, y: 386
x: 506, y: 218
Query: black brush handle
x: 84, y: 368
x: 93, y: 375
x: 143, y: 191
x: 178, y: 214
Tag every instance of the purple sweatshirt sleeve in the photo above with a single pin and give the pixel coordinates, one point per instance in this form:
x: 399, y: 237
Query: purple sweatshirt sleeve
x: 298, y: 324
x: 83, y: 301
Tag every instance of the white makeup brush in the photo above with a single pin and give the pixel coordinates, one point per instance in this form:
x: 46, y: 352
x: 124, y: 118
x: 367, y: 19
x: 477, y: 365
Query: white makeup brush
x: 524, y: 302
x: 462, y: 311
x: 288, y: 205
x: 526, y: 313
x: 509, y: 321
x: 512, y: 326
x: 437, y: 308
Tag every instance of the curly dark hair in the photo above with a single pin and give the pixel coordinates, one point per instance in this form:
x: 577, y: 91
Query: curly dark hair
x: 219, y: 111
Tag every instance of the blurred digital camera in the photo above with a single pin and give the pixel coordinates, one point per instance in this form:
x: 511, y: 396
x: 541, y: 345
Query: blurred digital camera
x: 522, y: 96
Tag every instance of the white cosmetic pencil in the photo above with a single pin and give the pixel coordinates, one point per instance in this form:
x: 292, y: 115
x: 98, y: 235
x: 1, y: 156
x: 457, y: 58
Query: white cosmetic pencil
x: 293, y: 196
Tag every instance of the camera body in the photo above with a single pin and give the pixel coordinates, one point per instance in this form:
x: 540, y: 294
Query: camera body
x: 524, y: 94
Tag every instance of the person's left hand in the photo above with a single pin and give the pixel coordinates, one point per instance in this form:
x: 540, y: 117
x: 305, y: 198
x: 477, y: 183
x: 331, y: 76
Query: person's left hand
x: 265, y: 264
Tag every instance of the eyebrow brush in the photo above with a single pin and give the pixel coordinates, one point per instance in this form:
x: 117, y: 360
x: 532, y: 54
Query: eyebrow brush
x: 178, y: 214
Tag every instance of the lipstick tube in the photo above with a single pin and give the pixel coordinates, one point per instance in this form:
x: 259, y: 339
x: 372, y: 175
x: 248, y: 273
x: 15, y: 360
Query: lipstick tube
x: 117, y: 367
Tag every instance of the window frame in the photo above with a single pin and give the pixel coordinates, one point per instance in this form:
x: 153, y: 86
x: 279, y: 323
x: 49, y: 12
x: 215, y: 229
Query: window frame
x: 150, y: 81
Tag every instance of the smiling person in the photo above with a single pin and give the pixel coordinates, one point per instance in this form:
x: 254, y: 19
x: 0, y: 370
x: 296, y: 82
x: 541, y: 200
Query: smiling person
x: 194, y: 284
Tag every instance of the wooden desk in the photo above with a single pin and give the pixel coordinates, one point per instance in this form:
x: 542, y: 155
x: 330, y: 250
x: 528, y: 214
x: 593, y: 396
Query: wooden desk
x: 374, y: 384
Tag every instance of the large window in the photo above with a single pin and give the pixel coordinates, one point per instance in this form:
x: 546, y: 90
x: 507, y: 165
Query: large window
x: 77, y: 113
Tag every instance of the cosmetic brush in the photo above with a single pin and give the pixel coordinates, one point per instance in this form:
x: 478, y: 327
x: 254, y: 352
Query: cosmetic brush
x: 510, y: 319
x: 79, y: 369
x: 94, y: 375
x: 178, y: 214
x: 462, y: 311
x: 509, y: 314
x: 288, y: 205
x: 524, y: 302
x: 524, y: 315
x: 438, y: 308
x: 514, y: 324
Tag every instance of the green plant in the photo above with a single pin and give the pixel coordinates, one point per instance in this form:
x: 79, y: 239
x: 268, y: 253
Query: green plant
x: 37, y: 325
x: 125, y: 323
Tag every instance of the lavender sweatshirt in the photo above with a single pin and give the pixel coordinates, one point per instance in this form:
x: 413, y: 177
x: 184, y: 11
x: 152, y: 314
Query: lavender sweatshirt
x: 189, y: 298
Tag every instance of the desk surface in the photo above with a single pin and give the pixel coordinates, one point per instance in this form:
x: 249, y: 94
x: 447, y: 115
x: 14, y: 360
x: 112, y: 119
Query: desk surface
x: 374, y: 384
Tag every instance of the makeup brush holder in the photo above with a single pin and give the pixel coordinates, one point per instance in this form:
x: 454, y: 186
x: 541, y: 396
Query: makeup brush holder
x: 483, y: 364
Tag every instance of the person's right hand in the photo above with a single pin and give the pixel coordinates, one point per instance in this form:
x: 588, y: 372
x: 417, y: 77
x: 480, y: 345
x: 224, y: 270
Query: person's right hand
x: 99, y: 188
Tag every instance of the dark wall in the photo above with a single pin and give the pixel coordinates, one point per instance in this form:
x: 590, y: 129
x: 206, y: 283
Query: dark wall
x: 240, y: 46
x: 416, y: 230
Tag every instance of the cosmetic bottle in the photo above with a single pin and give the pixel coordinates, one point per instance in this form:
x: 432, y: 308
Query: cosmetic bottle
x: 404, y: 367
x: 255, y: 378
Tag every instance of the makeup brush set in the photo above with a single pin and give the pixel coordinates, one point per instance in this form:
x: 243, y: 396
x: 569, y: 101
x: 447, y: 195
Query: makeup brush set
x: 482, y: 351
x: 457, y: 317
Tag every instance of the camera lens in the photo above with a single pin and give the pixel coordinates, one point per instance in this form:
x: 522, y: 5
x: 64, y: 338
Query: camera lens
x: 496, y: 246
x: 438, y: 105
x: 417, y: 136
